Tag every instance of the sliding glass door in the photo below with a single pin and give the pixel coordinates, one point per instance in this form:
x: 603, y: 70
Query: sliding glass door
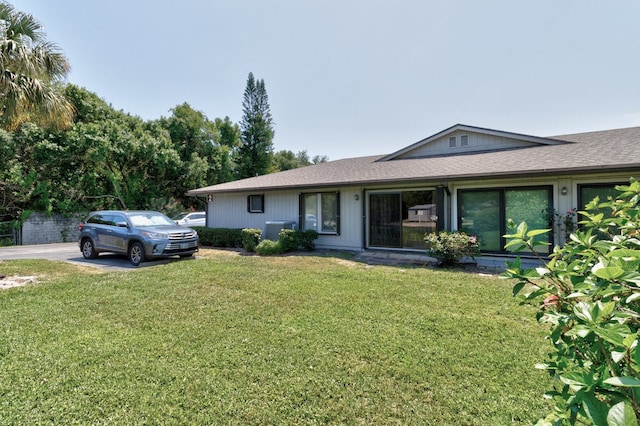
x: 401, y: 219
x: 485, y: 212
x: 385, y: 220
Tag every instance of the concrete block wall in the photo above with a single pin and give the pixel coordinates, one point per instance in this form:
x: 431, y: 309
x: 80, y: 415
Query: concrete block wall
x: 42, y: 229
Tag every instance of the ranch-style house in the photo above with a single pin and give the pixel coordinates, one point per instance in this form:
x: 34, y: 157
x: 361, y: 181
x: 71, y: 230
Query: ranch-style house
x: 463, y: 178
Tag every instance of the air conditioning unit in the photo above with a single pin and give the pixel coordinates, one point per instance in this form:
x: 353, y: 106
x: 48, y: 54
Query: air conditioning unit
x: 273, y: 227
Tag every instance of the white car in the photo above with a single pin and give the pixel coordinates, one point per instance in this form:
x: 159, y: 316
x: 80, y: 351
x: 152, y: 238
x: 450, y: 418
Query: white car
x: 191, y: 219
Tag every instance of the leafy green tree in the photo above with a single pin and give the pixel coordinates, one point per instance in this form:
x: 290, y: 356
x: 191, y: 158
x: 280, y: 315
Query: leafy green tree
x: 255, y: 154
x: 192, y: 135
x: 588, y: 293
x: 229, y: 143
x: 317, y: 159
x: 191, y: 131
x: 32, y: 70
x: 44, y: 170
x: 287, y: 160
x: 12, y: 194
x: 205, y: 147
x: 302, y: 157
x: 229, y: 133
x: 110, y: 159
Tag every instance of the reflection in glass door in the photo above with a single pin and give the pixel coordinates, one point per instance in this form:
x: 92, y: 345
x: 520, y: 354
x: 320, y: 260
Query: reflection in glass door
x: 401, y: 219
x: 419, y: 217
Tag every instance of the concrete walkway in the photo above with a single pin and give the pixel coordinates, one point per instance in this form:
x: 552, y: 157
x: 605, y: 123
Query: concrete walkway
x: 394, y: 258
x: 391, y: 258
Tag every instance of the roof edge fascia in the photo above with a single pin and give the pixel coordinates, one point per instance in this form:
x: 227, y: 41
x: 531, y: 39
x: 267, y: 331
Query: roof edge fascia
x: 449, y: 178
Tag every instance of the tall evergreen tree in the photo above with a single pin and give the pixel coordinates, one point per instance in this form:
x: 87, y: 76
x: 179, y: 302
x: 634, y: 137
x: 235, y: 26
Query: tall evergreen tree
x: 255, y: 154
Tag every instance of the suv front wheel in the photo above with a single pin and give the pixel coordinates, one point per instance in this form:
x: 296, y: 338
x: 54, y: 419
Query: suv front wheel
x: 136, y: 254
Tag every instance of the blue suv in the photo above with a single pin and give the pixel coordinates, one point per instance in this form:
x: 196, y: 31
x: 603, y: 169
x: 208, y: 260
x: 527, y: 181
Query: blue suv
x: 139, y: 235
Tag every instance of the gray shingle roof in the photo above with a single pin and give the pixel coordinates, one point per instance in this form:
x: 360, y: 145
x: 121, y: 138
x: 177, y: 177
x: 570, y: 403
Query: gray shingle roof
x: 617, y: 149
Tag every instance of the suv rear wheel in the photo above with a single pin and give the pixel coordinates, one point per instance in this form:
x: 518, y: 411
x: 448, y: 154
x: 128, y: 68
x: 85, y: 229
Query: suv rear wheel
x: 136, y: 254
x: 88, y: 250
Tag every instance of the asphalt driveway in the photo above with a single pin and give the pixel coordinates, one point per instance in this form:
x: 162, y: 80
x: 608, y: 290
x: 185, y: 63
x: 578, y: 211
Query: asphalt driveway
x: 70, y: 252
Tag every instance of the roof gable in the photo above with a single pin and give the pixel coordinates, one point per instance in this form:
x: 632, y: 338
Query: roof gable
x: 462, y: 139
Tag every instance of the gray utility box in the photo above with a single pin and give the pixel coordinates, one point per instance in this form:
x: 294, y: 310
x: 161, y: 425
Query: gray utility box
x: 273, y: 227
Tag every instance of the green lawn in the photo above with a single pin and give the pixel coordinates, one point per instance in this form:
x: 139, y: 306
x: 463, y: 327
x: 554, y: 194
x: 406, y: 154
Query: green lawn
x: 231, y: 339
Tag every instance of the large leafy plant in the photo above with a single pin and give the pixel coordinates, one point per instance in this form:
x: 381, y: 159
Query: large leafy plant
x: 589, y: 293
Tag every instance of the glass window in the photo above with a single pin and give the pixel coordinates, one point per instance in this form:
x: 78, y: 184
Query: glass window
x: 255, y: 203
x: 321, y: 212
x: 588, y: 192
x: 100, y: 219
x: 479, y: 215
x: 150, y: 219
x: 119, y: 220
x: 531, y: 205
x: 484, y: 213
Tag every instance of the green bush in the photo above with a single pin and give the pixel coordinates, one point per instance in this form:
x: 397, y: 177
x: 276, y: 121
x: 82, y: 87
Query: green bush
x: 250, y: 238
x: 219, y: 237
x: 269, y: 247
x: 450, y: 247
x: 8, y: 230
x: 289, y: 239
x: 294, y: 239
x: 306, y: 239
x: 588, y: 293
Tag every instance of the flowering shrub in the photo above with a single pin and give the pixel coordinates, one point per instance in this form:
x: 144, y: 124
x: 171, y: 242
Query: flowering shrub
x: 450, y: 247
x: 589, y: 295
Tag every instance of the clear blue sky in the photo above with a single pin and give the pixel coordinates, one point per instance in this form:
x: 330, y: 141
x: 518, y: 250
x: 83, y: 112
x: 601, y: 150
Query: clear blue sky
x: 361, y: 77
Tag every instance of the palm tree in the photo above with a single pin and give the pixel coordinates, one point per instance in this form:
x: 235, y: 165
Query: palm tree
x: 32, y: 72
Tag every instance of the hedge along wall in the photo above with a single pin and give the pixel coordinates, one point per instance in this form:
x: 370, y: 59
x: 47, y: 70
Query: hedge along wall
x: 42, y: 229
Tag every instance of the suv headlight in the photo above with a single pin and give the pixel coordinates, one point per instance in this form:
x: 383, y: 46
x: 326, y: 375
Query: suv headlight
x: 156, y: 235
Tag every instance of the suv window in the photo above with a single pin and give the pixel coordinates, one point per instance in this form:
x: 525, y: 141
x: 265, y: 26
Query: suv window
x: 99, y: 219
x: 118, y: 219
